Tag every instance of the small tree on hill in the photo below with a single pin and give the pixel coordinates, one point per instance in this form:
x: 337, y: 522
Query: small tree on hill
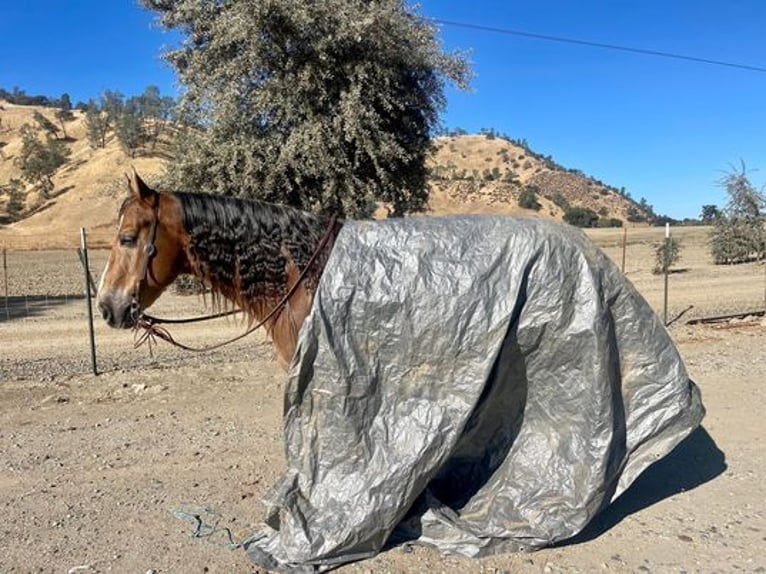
x: 14, y: 205
x: 63, y: 116
x: 528, y: 198
x: 129, y: 127
x: 45, y: 124
x: 581, y: 217
x: 97, y: 125
x: 39, y: 160
x: 739, y: 234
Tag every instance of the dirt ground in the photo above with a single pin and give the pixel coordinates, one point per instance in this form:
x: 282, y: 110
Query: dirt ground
x: 99, y: 473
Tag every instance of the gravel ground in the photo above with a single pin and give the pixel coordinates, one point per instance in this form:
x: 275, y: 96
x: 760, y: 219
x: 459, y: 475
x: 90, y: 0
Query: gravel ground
x: 95, y: 469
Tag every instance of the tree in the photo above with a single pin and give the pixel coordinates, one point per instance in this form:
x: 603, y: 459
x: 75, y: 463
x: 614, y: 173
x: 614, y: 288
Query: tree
x: 709, y: 214
x: 581, y: 217
x: 666, y: 254
x: 155, y: 112
x: 112, y: 104
x: 14, y: 205
x: 39, y: 160
x: 64, y: 115
x: 528, y: 198
x: 129, y: 129
x: 739, y: 234
x: 65, y: 102
x: 97, y: 124
x: 328, y: 106
x: 45, y: 124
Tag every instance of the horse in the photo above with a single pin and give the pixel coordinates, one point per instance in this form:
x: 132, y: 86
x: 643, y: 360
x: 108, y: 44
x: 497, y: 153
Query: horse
x: 262, y: 258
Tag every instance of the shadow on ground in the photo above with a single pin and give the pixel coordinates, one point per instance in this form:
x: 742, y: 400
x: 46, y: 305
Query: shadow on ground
x: 695, y: 461
x: 24, y: 307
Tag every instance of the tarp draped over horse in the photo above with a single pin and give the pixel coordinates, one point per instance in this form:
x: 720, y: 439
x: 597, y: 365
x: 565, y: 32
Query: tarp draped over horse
x: 478, y: 384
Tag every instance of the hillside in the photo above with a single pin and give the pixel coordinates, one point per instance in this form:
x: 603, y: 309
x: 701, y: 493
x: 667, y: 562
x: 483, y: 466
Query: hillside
x: 471, y: 174
x: 486, y: 174
x: 87, y: 189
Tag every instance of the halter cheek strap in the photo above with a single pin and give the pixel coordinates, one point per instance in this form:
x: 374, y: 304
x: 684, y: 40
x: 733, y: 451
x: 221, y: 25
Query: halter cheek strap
x: 150, y: 250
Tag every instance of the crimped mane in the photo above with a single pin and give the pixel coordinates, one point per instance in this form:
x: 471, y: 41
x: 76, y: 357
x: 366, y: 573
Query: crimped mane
x: 243, y: 248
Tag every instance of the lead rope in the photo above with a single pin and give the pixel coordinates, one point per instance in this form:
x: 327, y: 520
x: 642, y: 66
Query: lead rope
x: 152, y: 331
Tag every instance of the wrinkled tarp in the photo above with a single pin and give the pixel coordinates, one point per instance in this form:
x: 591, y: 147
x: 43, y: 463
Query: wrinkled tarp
x: 479, y: 384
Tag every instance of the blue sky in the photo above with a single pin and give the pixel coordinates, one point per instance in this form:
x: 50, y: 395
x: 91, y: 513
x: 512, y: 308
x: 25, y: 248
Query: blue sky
x: 664, y: 129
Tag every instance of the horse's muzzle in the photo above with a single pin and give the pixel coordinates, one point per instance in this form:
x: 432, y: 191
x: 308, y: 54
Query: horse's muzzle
x: 118, y: 316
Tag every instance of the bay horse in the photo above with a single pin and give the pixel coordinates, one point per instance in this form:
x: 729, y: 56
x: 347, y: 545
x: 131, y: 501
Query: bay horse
x: 263, y: 258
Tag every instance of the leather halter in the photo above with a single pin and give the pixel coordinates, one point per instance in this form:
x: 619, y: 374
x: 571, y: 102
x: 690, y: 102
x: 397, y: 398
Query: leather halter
x: 150, y: 251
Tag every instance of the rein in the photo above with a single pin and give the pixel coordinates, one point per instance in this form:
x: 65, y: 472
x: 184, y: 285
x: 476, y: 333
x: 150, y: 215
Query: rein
x: 151, y: 325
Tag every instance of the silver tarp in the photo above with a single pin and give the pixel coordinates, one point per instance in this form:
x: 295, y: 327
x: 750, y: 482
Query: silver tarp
x: 479, y: 384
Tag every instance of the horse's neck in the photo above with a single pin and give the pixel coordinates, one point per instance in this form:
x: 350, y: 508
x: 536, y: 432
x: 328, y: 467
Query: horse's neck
x: 252, y: 254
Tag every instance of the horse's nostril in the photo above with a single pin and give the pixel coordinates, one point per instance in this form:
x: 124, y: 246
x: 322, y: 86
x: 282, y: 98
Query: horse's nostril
x: 106, y: 313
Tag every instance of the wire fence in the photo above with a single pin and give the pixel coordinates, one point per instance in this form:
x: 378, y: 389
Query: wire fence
x: 34, y: 282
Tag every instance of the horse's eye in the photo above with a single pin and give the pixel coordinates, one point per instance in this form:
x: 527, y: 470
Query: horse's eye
x: 127, y: 240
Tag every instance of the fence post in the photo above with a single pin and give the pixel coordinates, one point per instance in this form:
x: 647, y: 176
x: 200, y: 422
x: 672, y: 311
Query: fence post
x: 86, y: 270
x: 665, y: 265
x: 5, y: 279
x: 624, y: 245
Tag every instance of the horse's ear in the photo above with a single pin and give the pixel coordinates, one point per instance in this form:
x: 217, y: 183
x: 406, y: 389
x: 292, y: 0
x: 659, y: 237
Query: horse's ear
x: 138, y: 187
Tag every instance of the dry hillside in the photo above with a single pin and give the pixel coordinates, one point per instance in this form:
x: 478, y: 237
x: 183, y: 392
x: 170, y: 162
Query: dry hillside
x: 471, y: 174
x: 486, y: 174
x: 88, y: 188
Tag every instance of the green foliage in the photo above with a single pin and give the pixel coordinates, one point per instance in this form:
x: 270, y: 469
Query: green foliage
x: 328, y: 106
x: 666, y: 254
x: 709, y: 214
x: 528, y: 198
x: 581, y: 217
x: 634, y: 215
x: 136, y: 120
x: 739, y: 234
x: 97, y: 125
x: 14, y: 205
x: 39, y: 160
x: 609, y: 222
x: 45, y: 124
x: 65, y: 102
x: 63, y: 116
x: 128, y: 127
x: 561, y: 201
x: 20, y: 97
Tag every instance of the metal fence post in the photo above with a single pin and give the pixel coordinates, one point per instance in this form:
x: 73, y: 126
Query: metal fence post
x: 86, y: 270
x: 665, y: 265
x: 624, y: 246
x: 5, y: 279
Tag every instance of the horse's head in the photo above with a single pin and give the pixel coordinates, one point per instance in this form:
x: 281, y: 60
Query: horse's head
x: 147, y: 254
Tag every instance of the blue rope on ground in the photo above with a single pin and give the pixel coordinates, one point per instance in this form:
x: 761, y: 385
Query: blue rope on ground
x: 204, y: 529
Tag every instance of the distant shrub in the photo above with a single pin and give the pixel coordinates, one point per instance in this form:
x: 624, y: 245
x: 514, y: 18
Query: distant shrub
x: 666, y: 254
x: 609, y: 222
x: 558, y: 199
x: 528, y: 199
x: 581, y: 217
x: 634, y: 215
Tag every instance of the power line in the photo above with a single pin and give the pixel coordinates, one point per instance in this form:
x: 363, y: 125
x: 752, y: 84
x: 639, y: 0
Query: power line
x: 564, y: 40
